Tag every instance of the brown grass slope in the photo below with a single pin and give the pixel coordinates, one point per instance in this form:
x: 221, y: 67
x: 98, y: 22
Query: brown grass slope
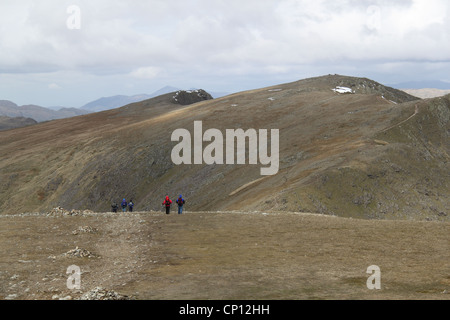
x: 341, y: 154
x: 224, y: 256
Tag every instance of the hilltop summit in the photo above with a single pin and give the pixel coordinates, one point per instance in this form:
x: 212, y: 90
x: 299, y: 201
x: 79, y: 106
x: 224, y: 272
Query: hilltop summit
x: 359, y: 86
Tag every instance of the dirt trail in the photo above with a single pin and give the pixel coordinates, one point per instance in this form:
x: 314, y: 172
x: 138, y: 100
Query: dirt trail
x: 416, y: 111
x: 223, y: 255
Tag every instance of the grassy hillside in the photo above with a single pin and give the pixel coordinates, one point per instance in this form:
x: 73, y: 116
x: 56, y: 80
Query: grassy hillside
x: 340, y: 154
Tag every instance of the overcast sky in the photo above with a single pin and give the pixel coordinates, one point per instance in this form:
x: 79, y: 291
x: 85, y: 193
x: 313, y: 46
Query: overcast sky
x: 68, y: 53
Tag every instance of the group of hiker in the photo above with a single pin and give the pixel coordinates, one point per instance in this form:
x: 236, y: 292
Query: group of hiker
x: 124, y: 205
x: 166, y: 203
x: 180, y: 202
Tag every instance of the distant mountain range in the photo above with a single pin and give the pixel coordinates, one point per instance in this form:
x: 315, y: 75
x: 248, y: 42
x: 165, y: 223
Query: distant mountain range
x: 432, y: 84
x: 38, y: 113
x: 424, y: 89
x: 11, y: 110
x: 427, y: 93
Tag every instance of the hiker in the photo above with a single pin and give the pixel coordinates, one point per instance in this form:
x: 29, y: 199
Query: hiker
x: 180, y: 201
x: 131, y: 205
x: 124, y: 205
x: 167, y: 202
x: 114, y: 207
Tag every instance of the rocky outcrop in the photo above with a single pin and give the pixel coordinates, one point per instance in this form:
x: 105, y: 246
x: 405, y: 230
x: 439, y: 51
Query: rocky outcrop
x: 186, y: 97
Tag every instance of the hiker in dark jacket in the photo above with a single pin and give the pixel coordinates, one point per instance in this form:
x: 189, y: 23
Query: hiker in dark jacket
x: 180, y: 201
x: 114, y: 207
x: 131, y: 205
x: 167, y: 202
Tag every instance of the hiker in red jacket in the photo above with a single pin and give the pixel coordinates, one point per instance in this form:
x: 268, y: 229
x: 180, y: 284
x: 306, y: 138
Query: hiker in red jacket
x: 167, y: 203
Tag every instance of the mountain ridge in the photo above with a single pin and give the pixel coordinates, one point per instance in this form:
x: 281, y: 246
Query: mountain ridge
x: 7, y: 123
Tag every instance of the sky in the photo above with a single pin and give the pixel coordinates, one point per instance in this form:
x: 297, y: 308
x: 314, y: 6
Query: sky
x: 70, y: 52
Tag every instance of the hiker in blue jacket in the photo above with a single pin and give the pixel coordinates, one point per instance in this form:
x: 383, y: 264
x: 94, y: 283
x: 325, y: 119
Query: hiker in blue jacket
x: 124, y: 205
x: 180, y: 201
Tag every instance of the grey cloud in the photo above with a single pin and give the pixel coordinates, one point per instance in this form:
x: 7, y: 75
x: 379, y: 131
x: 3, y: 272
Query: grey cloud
x: 141, y: 40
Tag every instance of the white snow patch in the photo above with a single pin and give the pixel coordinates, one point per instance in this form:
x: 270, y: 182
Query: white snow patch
x: 343, y: 90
